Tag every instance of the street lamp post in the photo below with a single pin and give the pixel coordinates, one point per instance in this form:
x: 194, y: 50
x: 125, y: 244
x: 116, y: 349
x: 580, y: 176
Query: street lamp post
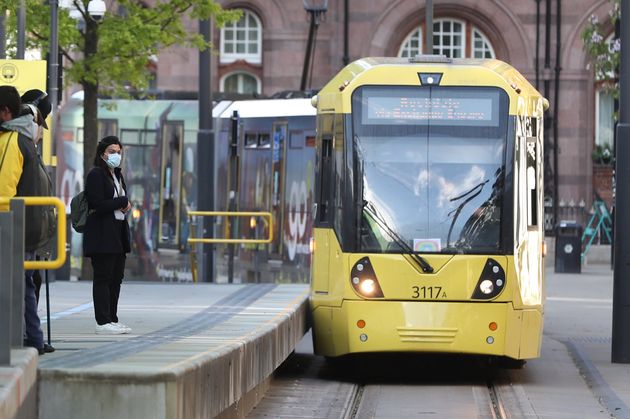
x: 316, y: 10
x: 621, y: 276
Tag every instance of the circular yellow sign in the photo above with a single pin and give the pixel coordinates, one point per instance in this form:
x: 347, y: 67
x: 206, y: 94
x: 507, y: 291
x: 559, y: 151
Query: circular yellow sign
x: 8, y: 73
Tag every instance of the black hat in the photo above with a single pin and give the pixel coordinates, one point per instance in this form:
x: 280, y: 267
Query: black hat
x: 40, y: 99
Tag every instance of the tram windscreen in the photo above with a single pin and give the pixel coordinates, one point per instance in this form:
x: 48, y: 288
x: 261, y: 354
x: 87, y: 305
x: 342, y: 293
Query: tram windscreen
x: 431, y: 167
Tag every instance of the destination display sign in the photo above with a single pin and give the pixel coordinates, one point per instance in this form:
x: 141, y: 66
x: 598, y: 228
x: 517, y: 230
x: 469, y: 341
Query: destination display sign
x: 438, y: 110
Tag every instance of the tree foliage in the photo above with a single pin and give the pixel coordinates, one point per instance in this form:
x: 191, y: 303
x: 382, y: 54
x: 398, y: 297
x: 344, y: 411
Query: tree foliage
x: 128, y: 35
x: 604, y: 55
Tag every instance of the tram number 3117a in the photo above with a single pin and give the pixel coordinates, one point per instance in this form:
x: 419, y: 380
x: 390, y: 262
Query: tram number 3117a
x: 427, y: 293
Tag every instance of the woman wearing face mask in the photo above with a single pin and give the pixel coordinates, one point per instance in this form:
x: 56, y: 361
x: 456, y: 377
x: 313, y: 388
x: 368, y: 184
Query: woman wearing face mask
x: 106, y: 237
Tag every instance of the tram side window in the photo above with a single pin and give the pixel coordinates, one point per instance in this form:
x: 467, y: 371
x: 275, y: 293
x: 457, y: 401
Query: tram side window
x: 264, y: 141
x: 326, y: 178
x: 338, y: 173
x: 107, y: 127
x: 532, y: 176
x: 251, y: 140
x: 326, y: 185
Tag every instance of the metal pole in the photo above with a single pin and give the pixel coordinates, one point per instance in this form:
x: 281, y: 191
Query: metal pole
x: 429, y: 26
x: 233, y: 190
x: 621, y: 276
x: 205, y: 155
x: 556, y: 104
x: 537, y: 59
x: 21, y: 30
x: 3, y: 35
x: 346, y: 26
x: 6, y: 282
x: 53, y: 64
x: 307, y: 54
x: 17, y: 270
x: 47, y: 307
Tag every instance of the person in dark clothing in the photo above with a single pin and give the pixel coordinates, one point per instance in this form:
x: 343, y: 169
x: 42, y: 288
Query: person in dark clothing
x: 106, y: 239
x: 40, y: 109
x: 22, y: 173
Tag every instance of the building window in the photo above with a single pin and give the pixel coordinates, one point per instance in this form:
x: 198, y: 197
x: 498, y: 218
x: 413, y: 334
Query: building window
x: 605, y: 104
x: 604, y: 114
x: 481, y: 47
x: 449, y: 39
x: 244, y: 83
x: 242, y: 40
x: 411, y: 46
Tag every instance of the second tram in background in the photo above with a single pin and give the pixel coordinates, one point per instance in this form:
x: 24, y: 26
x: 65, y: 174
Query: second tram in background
x: 264, y: 158
x: 428, y: 229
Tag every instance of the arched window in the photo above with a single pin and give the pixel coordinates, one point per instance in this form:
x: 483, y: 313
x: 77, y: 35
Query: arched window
x: 412, y: 45
x: 244, y: 83
x: 481, y: 47
x: 605, y: 106
x: 242, y: 40
x: 449, y: 38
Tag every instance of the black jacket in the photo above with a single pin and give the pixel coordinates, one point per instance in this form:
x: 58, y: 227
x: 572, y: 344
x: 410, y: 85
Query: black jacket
x: 103, y: 233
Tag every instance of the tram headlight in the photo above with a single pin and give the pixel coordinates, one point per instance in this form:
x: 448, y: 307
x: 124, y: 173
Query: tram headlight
x: 364, y: 281
x: 367, y: 286
x: 491, y: 281
x: 486, y: 286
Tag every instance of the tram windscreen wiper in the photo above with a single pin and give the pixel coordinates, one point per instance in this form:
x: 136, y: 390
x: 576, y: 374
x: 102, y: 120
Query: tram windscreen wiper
x: 408, y: 250
x: 469, y: 195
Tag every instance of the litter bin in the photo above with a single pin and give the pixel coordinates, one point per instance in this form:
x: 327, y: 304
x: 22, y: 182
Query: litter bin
x: 568, y: 247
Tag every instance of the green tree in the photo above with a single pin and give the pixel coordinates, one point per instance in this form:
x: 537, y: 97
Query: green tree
x: 110, y: 56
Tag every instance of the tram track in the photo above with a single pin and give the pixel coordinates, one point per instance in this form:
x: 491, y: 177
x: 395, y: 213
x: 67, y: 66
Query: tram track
x: 356, y: 396
x: 487, y: 398
x: 497, y: 405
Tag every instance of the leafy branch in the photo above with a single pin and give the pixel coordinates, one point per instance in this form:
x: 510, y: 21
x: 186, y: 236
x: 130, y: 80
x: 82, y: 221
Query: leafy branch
x: 604, y: 54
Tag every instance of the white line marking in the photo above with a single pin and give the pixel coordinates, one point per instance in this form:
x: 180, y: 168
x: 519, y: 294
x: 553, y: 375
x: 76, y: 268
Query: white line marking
x: 68, y: 312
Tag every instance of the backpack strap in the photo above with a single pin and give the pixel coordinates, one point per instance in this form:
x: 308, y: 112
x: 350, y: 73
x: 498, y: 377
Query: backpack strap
x: 4, y: 154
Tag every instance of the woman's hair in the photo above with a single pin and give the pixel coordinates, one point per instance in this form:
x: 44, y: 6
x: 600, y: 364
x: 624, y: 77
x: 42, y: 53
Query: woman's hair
x: 100, y: 149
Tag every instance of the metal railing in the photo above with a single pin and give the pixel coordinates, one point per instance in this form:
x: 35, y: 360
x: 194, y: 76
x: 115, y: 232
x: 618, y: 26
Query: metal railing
x: 229, y: 239
x: 13, y: 265
x: 263, y: 215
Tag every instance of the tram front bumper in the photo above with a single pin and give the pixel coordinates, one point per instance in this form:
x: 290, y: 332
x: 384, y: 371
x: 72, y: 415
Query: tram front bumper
x: 455, y: 327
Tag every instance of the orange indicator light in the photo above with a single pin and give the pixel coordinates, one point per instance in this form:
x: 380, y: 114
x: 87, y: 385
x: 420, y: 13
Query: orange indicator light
x: 361, y: 324
x: 492, y: 326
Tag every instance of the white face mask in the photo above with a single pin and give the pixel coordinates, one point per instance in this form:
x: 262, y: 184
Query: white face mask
x: 113, y: 160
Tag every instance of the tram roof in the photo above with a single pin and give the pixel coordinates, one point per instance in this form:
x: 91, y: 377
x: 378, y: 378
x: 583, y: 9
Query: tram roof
x: 456, y: 72
x: 265, y: 108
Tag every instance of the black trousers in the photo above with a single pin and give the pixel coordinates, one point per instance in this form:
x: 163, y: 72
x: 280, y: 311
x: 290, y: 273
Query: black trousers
x: 109, y: 270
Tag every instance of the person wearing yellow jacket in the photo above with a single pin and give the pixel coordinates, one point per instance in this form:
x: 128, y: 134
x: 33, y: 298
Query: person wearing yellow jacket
x: 11, y: 159
x: 22, y: 173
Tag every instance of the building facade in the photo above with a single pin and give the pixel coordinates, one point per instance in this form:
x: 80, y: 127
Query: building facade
x: 264, y: 53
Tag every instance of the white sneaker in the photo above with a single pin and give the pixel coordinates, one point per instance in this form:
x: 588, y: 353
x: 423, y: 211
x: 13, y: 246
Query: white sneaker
x: 121, y: 326
x: 108, y: 329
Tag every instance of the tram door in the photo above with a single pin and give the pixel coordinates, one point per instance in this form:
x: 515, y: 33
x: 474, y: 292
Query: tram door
x: 278, y: 159
x: 171, y: 185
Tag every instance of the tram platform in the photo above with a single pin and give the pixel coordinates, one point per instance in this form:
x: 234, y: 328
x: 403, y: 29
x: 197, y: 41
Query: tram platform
x: 208, y: 350
x: 195, y: 350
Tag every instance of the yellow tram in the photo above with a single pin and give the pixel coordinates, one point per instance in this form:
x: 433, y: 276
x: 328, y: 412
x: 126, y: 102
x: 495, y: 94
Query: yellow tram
x: 428, y: 227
